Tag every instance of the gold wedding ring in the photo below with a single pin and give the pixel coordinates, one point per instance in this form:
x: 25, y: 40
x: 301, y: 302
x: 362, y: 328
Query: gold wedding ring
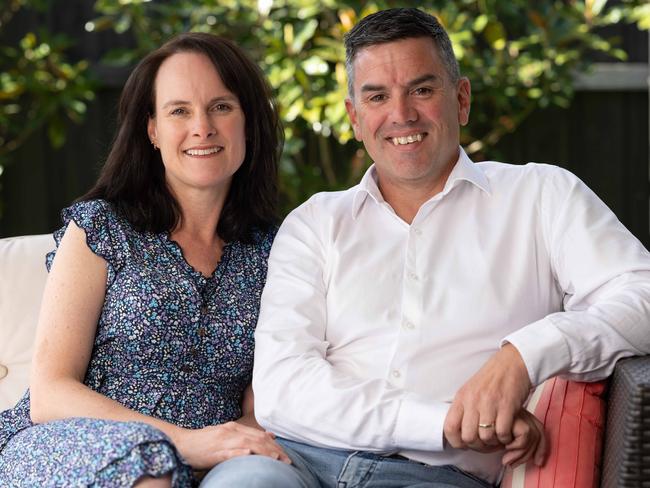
x: 486, y: 426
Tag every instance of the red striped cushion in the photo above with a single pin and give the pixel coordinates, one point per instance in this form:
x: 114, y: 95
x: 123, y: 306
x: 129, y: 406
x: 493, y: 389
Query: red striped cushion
x: 573, y: 415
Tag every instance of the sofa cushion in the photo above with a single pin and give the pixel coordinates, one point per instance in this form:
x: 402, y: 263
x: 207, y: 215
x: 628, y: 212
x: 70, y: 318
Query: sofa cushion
x: 573, y: 415
x: 22, y: 279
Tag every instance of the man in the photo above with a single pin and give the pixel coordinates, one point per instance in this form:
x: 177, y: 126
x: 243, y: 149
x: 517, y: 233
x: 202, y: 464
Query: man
x: 405, y: 320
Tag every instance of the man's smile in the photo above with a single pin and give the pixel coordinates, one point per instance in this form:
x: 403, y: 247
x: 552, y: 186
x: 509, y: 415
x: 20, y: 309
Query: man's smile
x: 408, y: 139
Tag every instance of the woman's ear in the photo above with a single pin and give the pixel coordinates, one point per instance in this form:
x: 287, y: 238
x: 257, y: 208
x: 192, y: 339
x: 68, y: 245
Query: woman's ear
x: 152, y: 132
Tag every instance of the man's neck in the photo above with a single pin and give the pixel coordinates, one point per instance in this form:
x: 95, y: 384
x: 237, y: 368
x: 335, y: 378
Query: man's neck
x: 406, y: 198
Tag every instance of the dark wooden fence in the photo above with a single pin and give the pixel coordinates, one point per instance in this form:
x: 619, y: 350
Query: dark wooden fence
x: 602, y: 137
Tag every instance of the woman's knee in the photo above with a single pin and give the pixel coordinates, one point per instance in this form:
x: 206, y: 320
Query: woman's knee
x: 253, y: 472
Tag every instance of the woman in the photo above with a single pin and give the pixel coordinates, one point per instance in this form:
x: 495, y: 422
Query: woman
x: 144, y: 348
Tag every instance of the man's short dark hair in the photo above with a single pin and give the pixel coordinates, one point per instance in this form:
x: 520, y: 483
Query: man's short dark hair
x: 393, y: 25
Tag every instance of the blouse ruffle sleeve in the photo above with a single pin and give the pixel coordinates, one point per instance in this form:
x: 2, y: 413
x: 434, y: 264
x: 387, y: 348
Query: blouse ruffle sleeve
x: 105, y: 233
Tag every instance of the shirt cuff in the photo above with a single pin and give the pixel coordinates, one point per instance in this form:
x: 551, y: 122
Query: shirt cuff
x: 543, y: 349
x: 420, y: 424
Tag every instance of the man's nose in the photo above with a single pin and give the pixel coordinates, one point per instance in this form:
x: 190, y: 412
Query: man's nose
x: 404, y: 111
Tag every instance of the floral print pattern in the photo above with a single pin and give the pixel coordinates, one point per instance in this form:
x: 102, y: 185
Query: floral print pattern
x: 170, y: 343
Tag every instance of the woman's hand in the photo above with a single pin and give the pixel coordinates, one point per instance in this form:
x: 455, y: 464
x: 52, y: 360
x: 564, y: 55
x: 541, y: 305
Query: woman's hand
x: 206, y: 447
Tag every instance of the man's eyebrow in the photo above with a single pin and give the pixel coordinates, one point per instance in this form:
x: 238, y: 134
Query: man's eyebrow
x: 424, y: 79
x: 372, y: 88
x: 417, y: 81
x: 223, y: 98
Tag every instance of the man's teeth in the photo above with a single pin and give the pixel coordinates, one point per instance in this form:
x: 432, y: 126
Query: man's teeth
x: 202, y: 152
x: 407, y: 139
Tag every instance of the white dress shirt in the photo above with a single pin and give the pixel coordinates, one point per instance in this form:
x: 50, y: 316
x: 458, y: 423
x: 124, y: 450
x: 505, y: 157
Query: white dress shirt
x: 368, y: 325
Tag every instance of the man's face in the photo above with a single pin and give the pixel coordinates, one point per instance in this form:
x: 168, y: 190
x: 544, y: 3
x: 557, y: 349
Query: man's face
x: 408, y: 113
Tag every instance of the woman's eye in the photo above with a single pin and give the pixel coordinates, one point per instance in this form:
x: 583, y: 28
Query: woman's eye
x: 222, y: 107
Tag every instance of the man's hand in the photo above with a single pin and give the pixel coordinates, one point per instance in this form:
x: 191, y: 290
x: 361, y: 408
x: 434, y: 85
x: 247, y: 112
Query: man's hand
x: 482, y: 414
x: 528, y: 442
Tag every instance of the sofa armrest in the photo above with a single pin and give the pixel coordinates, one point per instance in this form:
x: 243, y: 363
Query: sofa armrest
x: 22, y: 280
x: 626, y: 461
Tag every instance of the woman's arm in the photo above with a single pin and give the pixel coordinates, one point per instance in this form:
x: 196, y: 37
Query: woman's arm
x: 247, y: 411
x: 72, y: 303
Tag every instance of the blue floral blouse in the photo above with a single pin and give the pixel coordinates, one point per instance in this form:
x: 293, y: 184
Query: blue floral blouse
x: 170, y: 343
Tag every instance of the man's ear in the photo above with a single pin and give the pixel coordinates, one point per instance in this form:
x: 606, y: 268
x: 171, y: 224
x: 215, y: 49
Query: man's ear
x: 464, y: 93
x: 352, y: 113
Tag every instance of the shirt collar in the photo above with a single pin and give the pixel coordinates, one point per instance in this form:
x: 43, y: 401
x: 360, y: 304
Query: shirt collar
x: 464, y: 170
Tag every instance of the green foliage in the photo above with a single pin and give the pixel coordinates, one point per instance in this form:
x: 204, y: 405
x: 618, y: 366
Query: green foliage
x: 39, y: 87
x: 519, y: 55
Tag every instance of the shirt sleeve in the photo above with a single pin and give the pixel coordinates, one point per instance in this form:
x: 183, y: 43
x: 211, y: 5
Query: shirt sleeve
x: 299, y: 394
x: 105, y: 233
x: 604, y: 274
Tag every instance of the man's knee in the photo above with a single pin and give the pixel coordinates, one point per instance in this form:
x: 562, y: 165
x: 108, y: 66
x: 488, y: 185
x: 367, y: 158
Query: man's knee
x: 253, y: 472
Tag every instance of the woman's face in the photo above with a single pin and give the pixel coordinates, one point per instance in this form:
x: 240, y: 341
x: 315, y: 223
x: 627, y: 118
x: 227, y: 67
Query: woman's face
x: 198, y: 125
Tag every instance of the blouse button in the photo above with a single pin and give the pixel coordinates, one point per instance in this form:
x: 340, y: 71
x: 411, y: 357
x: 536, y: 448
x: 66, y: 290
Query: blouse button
x: 202, y: 332
x: 204, y: 309
x: 186, y: 368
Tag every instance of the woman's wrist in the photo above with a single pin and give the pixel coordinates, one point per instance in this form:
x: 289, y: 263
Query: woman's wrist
x: 176, y: 434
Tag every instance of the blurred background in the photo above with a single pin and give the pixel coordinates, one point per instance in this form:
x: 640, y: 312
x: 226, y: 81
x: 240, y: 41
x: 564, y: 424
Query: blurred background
x: 563, y: 82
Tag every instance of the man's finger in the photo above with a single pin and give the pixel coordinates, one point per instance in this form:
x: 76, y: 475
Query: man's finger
x: 487, y: 430
x: 504, y: 425
x: 542, y: 448
x: 452, y: 426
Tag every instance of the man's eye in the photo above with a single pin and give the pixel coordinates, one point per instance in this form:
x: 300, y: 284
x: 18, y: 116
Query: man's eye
x: 380, y: 97
x: 423, y: 90
x: 178, y: 111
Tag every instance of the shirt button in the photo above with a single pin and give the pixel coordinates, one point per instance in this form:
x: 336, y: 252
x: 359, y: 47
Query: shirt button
x: 418, y: 232
x: 396, y: 373
x: 409, y: 325
x: 413, y: 276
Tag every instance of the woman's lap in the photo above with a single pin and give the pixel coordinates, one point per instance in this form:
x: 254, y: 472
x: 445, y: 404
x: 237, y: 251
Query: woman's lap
x: 83, y: 451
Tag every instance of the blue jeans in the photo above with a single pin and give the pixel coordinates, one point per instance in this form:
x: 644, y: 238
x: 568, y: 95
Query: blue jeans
x: 317, y: 467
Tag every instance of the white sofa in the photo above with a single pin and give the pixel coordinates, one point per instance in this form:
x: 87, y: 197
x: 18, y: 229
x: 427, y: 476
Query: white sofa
x: 22, y: 279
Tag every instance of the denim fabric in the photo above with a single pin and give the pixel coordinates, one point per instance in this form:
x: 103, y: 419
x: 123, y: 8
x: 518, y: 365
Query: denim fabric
x: 317, y: 467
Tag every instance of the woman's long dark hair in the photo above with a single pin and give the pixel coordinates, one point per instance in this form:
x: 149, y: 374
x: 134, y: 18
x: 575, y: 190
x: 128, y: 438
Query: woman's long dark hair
x: 133, y: 177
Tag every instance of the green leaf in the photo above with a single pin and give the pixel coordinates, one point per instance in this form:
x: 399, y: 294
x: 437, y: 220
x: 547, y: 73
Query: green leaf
x: 305, y: 33
x: 315, y: 66
x: 56, y: 133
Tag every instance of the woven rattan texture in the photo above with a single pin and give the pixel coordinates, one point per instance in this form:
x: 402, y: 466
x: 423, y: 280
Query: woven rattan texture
x: 626, y: 462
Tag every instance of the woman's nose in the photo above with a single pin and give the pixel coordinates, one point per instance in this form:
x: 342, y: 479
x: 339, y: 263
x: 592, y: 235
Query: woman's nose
x: 204, y: 126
